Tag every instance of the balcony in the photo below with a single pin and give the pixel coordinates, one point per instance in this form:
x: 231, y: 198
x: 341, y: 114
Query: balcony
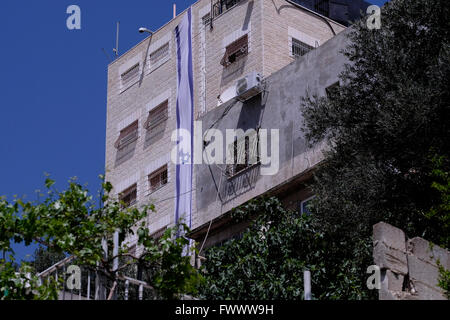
x: 221, y: 6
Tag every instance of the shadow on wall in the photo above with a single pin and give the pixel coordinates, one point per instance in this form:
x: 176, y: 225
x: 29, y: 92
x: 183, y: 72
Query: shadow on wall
x: 125, y: 153
x: 154, y: 134
x: 242, y: 182
x: 236, y: 69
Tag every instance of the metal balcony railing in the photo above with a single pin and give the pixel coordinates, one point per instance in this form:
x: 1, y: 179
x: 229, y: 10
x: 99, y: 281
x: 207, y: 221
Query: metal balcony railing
x: 127, y: 289
x: 220, y: 6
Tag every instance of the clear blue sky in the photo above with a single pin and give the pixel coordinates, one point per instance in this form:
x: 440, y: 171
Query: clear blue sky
x: 53, y: 87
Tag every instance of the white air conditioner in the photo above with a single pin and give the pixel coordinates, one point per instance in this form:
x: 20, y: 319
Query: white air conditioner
x: 249, y: 86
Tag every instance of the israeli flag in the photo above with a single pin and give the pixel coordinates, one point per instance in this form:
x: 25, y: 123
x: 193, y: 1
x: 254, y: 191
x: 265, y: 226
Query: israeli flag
x: 185, y: 120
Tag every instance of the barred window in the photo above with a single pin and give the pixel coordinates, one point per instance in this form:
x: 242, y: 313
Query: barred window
x: 235, y: 51
x: 159, y: 55
x: 130, y: 75
x: 158, y: 179
x: 245, y: 154
x: 157, y: 116
x: 127, y: 135
x: 300, y: 48
x: 206, y: 20
x: 129, y: 196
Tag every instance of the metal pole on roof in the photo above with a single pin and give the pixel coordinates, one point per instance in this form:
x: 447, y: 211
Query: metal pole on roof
x: 116, y: 49
x: 307, y: 284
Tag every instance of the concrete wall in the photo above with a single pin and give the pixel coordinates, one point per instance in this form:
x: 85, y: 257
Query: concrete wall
x: 282, y: 21
x: 409, y: 267
x: 276, y: 108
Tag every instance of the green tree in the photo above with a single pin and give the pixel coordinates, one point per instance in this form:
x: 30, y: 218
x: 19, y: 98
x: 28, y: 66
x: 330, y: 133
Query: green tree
x: 69, y: 223
x: 383, y: 124
x: 44, y: 258
x: 269, y: 260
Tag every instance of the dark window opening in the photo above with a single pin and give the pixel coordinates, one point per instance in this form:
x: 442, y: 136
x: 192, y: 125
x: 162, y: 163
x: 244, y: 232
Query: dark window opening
x: 129, y: 196
x: 235, y: 51
x: 306, y: 206
x: 332, y: 90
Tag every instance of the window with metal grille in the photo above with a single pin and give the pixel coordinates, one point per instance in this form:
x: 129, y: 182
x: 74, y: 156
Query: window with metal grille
x: 206, y: 20
x: 158, y: 179
x: 159, y: 55
x: 127, y: 135
x: 130, y: 75
x: 300, y: 48
x: 157, y: 116
x: 305, y: 206
x: 245, y: 154
x: 129, y: 196
x: 235, y: 51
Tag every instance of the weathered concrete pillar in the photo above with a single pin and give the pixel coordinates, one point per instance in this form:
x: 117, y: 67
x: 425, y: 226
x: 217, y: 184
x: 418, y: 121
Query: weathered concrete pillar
x: 389, y: 248
x: 409, y: 268
x: 423, y: 266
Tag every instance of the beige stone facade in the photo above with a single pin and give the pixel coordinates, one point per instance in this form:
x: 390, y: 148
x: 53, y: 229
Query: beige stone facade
x: 145, y: 76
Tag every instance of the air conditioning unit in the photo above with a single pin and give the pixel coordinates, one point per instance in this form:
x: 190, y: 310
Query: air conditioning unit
x: 249, y: 86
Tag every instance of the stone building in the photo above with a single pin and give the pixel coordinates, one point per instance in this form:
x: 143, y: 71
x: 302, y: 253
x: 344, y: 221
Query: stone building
x: 290, y: 47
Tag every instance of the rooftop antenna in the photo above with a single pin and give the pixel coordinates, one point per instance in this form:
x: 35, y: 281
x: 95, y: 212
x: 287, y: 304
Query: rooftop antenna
x: 174, y: 10
x: 116, y: 49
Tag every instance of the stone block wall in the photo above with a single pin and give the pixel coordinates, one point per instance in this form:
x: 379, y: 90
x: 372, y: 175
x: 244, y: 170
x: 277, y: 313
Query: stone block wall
x: 409, y: 267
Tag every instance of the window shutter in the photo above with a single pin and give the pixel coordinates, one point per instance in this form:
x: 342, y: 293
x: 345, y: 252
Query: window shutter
x: 130, y: 74
x: 159, y: 54
x: 127, y: 135
x: 235, y: 50
x: 157, y: 115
